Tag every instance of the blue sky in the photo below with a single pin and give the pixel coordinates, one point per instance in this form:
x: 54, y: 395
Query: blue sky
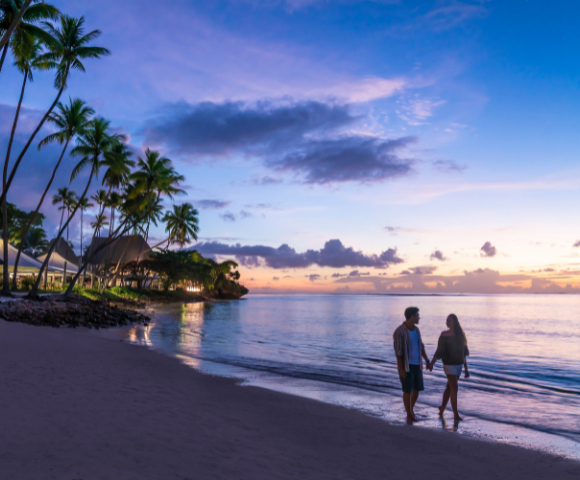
x: 392, y: 126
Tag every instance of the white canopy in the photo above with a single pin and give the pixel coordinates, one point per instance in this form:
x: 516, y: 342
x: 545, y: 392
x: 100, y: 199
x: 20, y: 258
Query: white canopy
x: 26, y: 264
x: 56, y: 263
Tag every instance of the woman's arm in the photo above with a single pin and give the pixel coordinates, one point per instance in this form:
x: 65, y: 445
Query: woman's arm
x: 466, y: 369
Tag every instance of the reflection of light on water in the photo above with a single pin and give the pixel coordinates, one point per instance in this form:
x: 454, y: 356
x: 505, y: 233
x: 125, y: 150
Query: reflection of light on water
x: 192, y: 318
x: 140, y: 335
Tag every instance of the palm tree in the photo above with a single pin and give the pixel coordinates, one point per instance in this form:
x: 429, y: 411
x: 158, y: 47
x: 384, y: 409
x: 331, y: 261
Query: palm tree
x: 17, y: 18
x: 68, y: 46
x: 70, y: 120
x: 27, y: 53
x: 99, y: 223
x: 94, y: 141
x: 64, y: 195
x: 182, y: 224
x: 36, y: 240
x: 156, y: 175
x: 83, y: 205
x: 113, y: 203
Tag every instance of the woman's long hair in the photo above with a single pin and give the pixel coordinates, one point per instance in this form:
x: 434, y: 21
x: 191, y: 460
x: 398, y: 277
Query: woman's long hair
x: 457, y: 328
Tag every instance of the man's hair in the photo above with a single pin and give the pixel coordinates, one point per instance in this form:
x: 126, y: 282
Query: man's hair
x: 410, y: 311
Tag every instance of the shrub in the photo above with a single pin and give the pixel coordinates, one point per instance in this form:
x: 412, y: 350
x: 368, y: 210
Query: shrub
x: 27, y: 282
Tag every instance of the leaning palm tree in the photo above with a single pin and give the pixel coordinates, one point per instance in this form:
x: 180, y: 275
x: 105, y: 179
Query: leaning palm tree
x: 91, y: 145
x: 27, y: 52
x: 68, y: 47
x: 113, y: 203
x: 18, y: 17
x: 70, y: 120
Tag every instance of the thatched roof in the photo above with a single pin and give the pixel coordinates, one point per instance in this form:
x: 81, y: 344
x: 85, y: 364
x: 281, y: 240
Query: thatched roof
x: 65, y: 252
x: 134, y: 248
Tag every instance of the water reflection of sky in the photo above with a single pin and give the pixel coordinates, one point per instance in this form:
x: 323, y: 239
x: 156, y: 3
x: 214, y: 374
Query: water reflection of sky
x: 525, y: 361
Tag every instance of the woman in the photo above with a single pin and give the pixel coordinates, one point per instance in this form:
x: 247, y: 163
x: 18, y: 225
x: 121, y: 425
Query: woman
x: 452, y: 349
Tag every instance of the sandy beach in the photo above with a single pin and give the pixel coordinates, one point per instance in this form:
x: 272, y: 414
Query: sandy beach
x: 77, y: 406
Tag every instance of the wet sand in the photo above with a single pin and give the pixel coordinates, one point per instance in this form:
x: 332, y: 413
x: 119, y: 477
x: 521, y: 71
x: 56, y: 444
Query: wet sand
x: 77, y: 406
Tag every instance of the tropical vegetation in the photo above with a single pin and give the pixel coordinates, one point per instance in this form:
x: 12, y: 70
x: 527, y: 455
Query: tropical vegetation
x: 127, y: 194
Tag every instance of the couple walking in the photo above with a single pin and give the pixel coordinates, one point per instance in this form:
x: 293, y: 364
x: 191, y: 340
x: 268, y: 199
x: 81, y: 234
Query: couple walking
x: 410, y: 352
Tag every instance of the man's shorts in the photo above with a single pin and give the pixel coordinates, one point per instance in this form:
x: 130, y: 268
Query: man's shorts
x: 413, y: 380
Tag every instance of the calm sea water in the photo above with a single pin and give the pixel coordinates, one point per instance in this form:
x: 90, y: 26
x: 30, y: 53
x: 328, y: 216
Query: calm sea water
x: 525, y: 356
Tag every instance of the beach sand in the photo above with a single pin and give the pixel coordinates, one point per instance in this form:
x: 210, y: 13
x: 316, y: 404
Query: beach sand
x: 77, y: 406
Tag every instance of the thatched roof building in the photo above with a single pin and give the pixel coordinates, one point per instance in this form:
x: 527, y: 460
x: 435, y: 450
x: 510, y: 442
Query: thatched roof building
x: 131, y: 248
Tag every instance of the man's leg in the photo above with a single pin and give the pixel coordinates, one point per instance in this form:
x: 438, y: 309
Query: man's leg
x: 414, y: 398
x: 408, y: 407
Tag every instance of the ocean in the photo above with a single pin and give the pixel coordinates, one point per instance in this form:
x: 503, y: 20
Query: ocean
x: 525, y: 356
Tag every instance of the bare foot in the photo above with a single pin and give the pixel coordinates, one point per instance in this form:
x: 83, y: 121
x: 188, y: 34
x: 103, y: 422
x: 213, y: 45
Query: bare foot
x: 441, y: 410
x: 411, y: 418
x: 457, y: 418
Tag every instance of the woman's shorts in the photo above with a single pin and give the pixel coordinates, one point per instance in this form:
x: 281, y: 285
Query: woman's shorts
x: 453, y: 369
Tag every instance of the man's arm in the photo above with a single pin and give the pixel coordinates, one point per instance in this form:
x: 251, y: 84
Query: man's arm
x: 426, y: 358
x: 401, y: 366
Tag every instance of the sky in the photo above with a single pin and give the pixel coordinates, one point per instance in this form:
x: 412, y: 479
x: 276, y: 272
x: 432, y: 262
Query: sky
x: 344, y: 145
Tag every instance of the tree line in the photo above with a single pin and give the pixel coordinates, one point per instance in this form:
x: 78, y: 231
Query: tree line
x: 41, y: 38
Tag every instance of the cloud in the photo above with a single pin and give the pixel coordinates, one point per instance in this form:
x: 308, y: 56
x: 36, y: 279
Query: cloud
x: 313, y: 277
x: 437, y: 255
x: 338, y: 275
x: 482, y: 280
x: 305, y: 138
x: 345, y: 289
x: 222, y: 128
x: 275, y: 278
x: 228, y: 217
x: 419, y: 271
x: 267, y: 180
x: 488, y: 250
x: 246, y: 214
x: 334, y: 254
x: 448, y: 166
x: 356, y: 274
x: 349, y: 159
x: 577, y: 244
x: 208, y: 204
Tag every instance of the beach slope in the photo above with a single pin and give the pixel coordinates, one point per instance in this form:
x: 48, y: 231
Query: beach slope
x: 76, y: 406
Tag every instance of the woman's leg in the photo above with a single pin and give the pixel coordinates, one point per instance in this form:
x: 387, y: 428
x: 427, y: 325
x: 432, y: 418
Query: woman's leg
x: 445, y: 400
x: 453, y: 388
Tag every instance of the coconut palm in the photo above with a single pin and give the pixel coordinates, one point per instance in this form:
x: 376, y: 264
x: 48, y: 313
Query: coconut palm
x: 94, y: 141
x: 83, y: 205
x: 113, y: 203
x: 27, y: 53
x: 68, y: 46
x: 70, y: 120
x: 17, y: 18
x: 182, y: 224
x: 99, y: 223
x: 36, y: 240
x: 63, y: 196
x: 156, y: 175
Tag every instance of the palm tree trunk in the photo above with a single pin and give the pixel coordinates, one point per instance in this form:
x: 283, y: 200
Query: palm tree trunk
x: 31, y: 221
x: 34, y: 292
x: 6, y: 266
x: 4, y: 52
x: 81, y: 256
x: 103, y: 245
x: 65, y: 263
x: 31, y: 139
x: 14, y: 24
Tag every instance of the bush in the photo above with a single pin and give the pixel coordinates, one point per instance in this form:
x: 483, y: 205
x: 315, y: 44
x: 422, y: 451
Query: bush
x: 27, y: 283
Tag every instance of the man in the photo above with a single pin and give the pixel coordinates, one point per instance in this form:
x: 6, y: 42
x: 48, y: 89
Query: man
x: 410, y: 353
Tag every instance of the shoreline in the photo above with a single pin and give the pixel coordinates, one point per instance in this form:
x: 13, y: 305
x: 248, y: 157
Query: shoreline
x: 84, y: 406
